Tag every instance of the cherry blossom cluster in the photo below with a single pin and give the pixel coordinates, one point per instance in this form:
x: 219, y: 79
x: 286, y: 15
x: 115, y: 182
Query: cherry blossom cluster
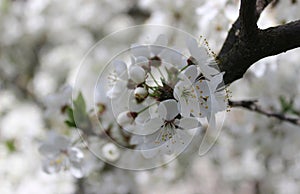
x: 161, y: 94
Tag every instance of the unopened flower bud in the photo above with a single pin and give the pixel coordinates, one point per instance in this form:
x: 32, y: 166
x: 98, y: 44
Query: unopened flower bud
x: 126, y: 118
x: 140, y: 94
x: 110, y: 152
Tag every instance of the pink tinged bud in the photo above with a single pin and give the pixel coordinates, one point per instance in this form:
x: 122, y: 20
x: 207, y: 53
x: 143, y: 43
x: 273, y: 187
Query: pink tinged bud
x: 140, y: 93
x: 126, y: 118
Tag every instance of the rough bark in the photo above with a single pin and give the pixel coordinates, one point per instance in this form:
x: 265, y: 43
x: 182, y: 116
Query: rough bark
x: 247, y: 44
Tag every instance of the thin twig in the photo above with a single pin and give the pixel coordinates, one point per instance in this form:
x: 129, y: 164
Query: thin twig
x: 253, y: 106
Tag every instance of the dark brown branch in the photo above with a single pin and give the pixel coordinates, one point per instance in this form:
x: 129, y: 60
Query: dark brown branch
x: 280, y: 39
x: 234, y: 32
x: 271, y: 41
x: 253, y: 106
x: 260, y: 6
x: 246, y: 44
x: 248, y: 19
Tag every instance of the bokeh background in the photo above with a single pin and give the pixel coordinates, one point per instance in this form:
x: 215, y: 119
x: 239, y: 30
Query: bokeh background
x: 41, y: 45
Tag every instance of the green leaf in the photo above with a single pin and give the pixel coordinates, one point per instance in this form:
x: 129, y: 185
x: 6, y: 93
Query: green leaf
x: 79, y: 103
x: 70, y: 113
x: 70, y: 123
x: 287, y: 106
x: 70, y: 120
x: 10, y: 145
x: 78, y: 116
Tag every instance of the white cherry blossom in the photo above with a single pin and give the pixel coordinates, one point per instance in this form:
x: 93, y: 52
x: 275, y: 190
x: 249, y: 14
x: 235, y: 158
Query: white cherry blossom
x: 111, y: 152
x: 150, y: 51
x: 59, y: 154
x: 119, y: 79
x: 197, y: 97
x: 202, y: 58
x: 185, y: 92
x: 167, y: 134
x: 55, y: 102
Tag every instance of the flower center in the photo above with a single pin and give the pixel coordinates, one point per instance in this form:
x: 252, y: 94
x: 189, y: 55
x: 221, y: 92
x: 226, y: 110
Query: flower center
x: 155, y: 61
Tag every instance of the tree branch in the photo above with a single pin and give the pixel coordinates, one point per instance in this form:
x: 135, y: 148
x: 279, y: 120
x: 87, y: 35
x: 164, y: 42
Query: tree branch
x: 234, y: 32
x: 252, y: 106
x: 80, y: 186
x: 261, y: 5
x: 246, y: 44
x: 280, y: 39
x: 248, y: 19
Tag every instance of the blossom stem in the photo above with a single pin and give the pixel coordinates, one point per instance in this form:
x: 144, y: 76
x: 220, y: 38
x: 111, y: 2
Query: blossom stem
x: 145, y: 108
x: 76, y: 141
x: 153, y: 78
x: 161, y: 73
x: 183, y: 68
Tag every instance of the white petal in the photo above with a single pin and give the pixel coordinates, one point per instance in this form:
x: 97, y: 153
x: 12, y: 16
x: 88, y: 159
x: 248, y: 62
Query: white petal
x: 168, y: 109
x: 142, y: 62
x: 140, y: 50
x: 75, y: 154
x: 202, y: 88
x: 100, y: 94
x: 120, y: 68
x: 177, y: 144
x: 215, y: 81
x: 156, y: 50
x: 51, y: 167
x: 174, y: 58
x: 149, y: 152
x: 190, y: 73
x: 143, y: 117
x: 136, y: 140
x: 188, y: 103
x: 48, y: 150
x: 193, y: 47
x: 137, y: 74
x: 159, y: 44
x: 189, y: 123
x: 182, y: 101
x: 133, y: 106
x: 207, y: 70
x: 161, y: 40
x: 198, y: 52
x: 152, y: 126
x: 168, y: 147
x: 66, y: 91
x: 210, y: 137
x: 202, y: 55
x: 117, y: 89
x: 61, y: 142
x: 76, y: 170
